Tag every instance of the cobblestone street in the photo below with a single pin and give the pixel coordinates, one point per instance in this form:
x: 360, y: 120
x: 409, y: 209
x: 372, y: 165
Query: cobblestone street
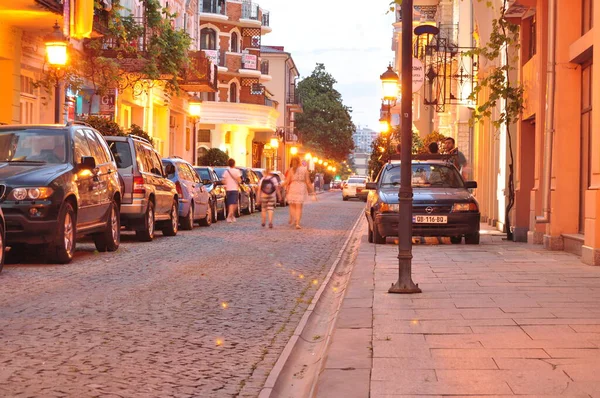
x: 206, y: 313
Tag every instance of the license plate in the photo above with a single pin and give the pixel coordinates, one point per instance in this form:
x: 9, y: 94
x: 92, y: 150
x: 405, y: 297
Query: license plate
x: 430, y: 219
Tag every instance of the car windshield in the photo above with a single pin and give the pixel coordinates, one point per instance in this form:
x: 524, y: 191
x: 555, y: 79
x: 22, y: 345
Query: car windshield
x: 356, y: 181
x: 203, y: 173
x: 37, y: 146
x: 425, y: 176
x: 259, y: 173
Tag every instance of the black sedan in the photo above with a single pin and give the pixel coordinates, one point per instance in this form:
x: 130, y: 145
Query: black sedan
x: 442, y: 203
x: 215, y: 188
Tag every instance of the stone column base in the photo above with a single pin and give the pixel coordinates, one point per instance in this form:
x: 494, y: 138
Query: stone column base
x: 590, y: 256
x: 554, y: 243
x: 535, y: 237
x: 520, y: 234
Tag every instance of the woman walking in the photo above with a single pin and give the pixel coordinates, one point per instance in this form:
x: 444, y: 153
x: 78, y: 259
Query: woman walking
x: 299, y: 185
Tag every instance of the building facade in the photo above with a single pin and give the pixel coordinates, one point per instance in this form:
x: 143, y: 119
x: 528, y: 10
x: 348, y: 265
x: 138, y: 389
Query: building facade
x: 242, y: 110
x: 280, y: 66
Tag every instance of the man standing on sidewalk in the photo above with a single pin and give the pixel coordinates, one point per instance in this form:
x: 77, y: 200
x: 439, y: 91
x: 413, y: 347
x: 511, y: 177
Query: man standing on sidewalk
x: 458, y: 158
x: 232, y: 178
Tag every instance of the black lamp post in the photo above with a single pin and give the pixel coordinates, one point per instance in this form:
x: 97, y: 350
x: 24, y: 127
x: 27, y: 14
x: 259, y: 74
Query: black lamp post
x: 56, y: 52
x: 405, y: 284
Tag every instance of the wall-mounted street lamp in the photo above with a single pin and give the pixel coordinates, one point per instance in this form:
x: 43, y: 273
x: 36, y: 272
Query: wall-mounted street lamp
x: 57, y: 56
x: 294, y: 150
x: 194, y: 111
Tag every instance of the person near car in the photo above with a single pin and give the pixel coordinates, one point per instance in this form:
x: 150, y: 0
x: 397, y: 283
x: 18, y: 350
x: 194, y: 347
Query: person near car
x: 232, y: 178
x: 268, y: 193
x: 299, y: 186
x: 433, y: 147
x: 458, y: 158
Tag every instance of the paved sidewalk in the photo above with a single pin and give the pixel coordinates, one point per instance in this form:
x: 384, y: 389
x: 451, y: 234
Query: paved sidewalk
x: 496, y: 319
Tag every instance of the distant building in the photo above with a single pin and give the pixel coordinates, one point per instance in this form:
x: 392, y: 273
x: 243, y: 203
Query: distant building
x: 363, y: 137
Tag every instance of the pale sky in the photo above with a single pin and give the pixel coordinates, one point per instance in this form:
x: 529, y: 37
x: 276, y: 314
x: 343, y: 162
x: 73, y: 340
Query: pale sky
x: 353, y: 38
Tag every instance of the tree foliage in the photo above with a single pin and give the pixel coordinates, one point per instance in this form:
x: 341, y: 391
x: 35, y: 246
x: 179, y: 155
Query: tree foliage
x: 214, y: 157
x: 325, y: 125
x: 504, y: 105
x: 109, y: 127
x: 382, y: 148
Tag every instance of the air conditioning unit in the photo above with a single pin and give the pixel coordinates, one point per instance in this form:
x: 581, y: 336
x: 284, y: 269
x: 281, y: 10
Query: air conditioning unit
x: 172, y: 121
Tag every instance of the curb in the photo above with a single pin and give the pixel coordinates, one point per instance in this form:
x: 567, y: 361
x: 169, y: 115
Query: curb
x: 287, y: 351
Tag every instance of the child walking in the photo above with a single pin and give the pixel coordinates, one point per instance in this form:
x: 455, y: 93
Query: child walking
x: 268, y: 194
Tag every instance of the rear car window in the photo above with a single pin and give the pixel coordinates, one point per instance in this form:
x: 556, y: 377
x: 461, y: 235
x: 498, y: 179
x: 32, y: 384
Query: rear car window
x: 204, y: 174
x: 356, y: 181
x: 122, y: 153
x: 220, y: 172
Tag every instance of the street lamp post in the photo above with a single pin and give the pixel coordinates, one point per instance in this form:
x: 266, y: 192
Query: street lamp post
x: 56, y: 53
x: 275, y: 145
x: 389, y: 83
x: 405, y: 284
x: 195, y: 109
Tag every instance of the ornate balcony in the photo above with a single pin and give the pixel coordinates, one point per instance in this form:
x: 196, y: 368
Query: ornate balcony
x: 201, y: 76
x: 56, y: 6
x: 213, y: 7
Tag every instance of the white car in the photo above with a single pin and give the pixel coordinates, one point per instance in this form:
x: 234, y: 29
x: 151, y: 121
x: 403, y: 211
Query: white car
x: 353, y: 187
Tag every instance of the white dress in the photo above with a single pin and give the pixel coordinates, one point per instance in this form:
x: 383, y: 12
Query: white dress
x: 297, y: 191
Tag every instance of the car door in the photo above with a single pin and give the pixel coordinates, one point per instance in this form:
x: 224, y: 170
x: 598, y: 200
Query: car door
x: 85, y: 179
x: 163, y: 185
x: 219, y: 190
x: 201, y: 196
x: 101, y: 197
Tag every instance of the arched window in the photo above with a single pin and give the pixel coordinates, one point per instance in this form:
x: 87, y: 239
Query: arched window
x: 208, y: 39
x: 234, y: 43
x: 233, y: 93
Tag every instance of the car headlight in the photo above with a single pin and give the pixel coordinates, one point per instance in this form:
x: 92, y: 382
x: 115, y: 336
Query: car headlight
x: 458, y: 207
x: 389, y: 208
x: 40, y: 193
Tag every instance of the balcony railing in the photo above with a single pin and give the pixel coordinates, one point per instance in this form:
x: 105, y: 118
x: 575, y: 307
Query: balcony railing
x: 250, y: 10
x: 201, y: 76
x: 112, y: 43
x: 288, y: 134
x: 101, y: 19
x: 213, y: 6
x: 294, y: 99
x: 265, y: 18
x: 264, y: 67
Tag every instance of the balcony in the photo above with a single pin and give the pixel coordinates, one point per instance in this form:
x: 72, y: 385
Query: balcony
x: 101, y: 19
x: 201, y: 75
x: 264, y: 67
x: 56, y: 6
x: 288, y: 134
x: 265, y: 18
x: 293, y: 101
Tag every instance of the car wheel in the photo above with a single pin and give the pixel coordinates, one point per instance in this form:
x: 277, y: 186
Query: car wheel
x: 172, y: 225
x: 370, y: 235
x: 207, y: 220
x: 377, y: 238
x: 147, y: 234
x: 344, y: 198
x: 187, y: 222
x: 109, y: 240
x: 456, y: 240
x: 215, y: 215
x: 472, y: 239
x: 63, y: 248
x: 223, y: 213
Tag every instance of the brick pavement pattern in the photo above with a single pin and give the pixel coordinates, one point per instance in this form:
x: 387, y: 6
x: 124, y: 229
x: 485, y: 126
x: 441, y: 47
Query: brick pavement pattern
x: 499, y: 319
x: 203, y: 314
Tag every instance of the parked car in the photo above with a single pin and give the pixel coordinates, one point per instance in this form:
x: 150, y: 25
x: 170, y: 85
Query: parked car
x: 353, y: 187
x: 150, y: 199
x: 250, y: 178
x: 2, y: 239
x: 336, y: 184
x: 195, y: 202
x: 58, y: 183
x: 215, y: 188
x: 260, y: 173
x: 244, y: 193
x: 442, y: 203
x: 282, y: 188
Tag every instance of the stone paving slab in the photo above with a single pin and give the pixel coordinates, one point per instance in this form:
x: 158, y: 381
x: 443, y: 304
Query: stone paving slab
x: 497, y: 319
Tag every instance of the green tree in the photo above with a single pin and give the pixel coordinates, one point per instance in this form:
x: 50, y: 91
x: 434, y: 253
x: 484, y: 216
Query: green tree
x: 139, y: 132
x: 505, y: 94
x: 325, y: 125
x: 214, y: 157
x: 104, y: 125
x: 382, y: 149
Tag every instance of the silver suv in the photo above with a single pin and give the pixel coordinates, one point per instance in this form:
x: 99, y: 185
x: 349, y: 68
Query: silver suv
x: 150, y: 199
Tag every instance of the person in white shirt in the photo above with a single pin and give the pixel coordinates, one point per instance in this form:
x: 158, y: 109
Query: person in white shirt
x: 232, y: 178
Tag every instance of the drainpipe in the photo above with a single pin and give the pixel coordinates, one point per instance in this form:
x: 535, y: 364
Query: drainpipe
x: 550, y: 108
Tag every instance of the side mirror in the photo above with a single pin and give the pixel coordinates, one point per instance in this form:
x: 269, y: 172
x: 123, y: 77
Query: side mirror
x: 371, y: 186
x: 471, y: 184
x: 87, y: 163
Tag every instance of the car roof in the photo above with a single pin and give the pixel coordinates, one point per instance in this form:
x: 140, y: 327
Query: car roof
x: 176, y: 160
x: 34, y: 127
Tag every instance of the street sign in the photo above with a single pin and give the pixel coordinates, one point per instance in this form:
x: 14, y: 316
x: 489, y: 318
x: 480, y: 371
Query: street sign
x: 418, y: 75
x: 107, y: 104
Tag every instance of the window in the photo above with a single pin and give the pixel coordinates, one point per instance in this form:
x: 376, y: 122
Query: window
x: 204, y: 174
x: 28, y: 100
x: 587, y: 17
x: 233, y: 93
x: 532, y: 50
x: 122, y: 153
x: 81, y: 146
x: 203, y: 135
x: 208, y: 39
x: 156, y: 163
x: 234, y: 43
x: 97, y: 150
x: 228, y: 137
x: 104, y: 146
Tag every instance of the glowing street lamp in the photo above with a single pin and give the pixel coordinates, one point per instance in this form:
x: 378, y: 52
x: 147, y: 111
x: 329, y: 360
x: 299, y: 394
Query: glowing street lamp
x: 56, y: 53
x: 293, y: 150
x: 320, y: 161
x: 384, y: 126
x: 308, y: 157
x: 389, y: 83
x: 325, y: 164
x: 194, y: 111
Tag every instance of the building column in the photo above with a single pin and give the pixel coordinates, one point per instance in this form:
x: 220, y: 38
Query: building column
x: 10, y: 70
